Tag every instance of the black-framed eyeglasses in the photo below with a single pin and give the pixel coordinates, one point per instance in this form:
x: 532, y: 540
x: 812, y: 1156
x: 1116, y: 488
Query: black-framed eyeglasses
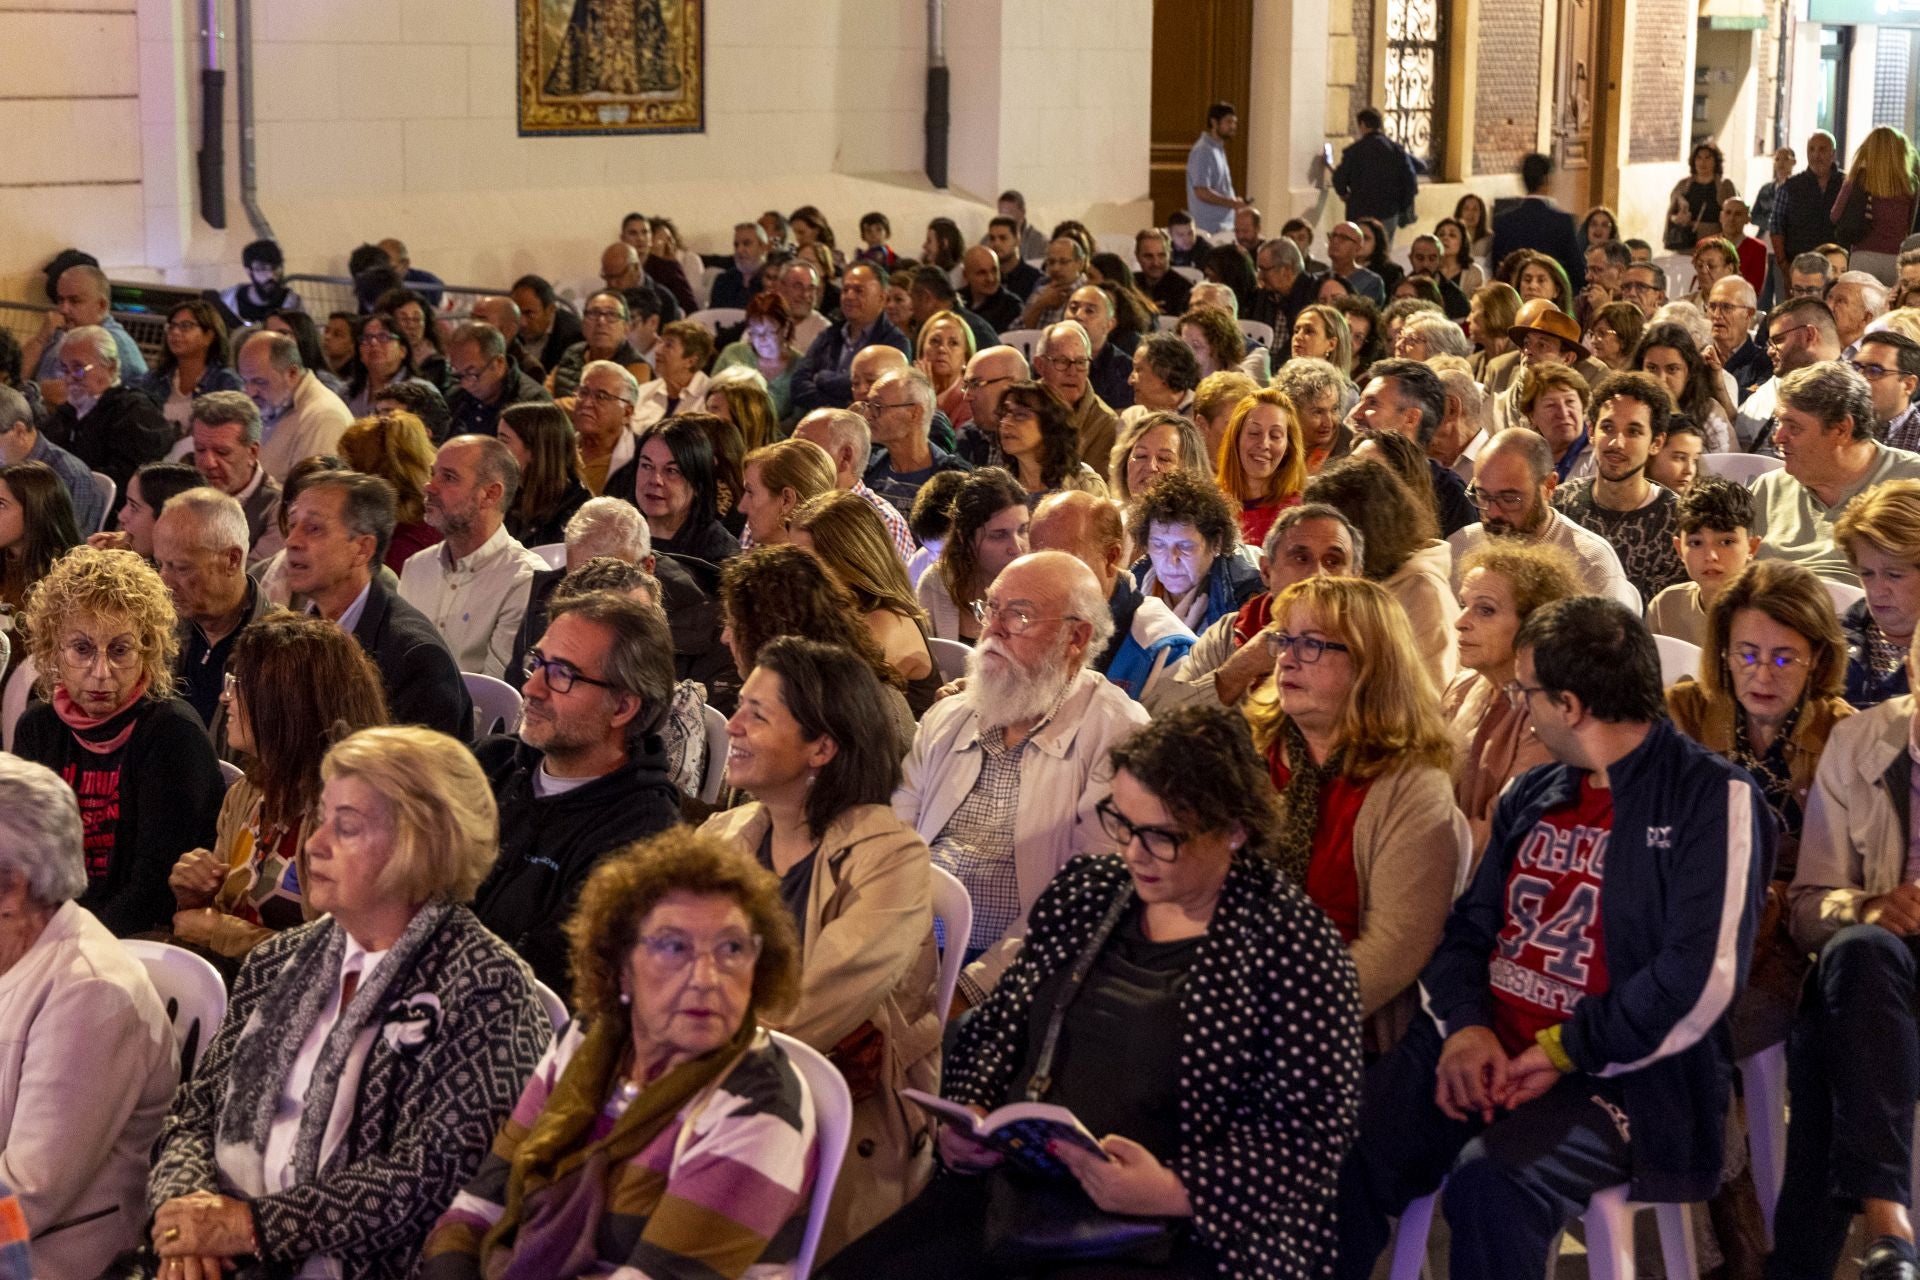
x: 1161, y: 844
x: 561, y: 676
x: 1777, y: 340
x: 1872, y: 372
x: 975, y: 384
x: 1309, y: 649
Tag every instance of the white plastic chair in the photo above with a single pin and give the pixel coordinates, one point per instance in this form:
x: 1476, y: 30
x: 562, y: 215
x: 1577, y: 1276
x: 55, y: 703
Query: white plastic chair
x: 716, y: 770
x: 953, y: 908
x: 13, y: 700
x: 714, y: 319
x: 1845, y: 595
x: 554, y: 553
x: 192, y: 991
x: 1165, y: 323
x: 1025, y: 341
x: 104, y: 486
x: 1191, y: 274
x: 1609, y: 1224
x: 230, y: 772
x: 557, y: 1012
x: 833, y: 1121
x: 496, y: 704
x: 703, y: 287
x: 1677, y: 658
x: 950, y: 656
x: 1263, y: 333
x: 1763, y: 1078
x: 1741, y: 468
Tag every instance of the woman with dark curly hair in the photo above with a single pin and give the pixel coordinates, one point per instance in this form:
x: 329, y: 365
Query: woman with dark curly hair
x: 1190, y: 533
x: 193, y: 361
x: 986, y: 532
x: 1207, y: 979
x: 1038, y: 444
x: 1362, y: 315
x: 944, y: 245
x: 770, y: 592
x: 1667, y: 352
x: 1693, y: 210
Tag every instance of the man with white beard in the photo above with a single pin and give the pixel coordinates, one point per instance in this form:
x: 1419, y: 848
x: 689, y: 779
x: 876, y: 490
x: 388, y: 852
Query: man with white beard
x: 1003, y: 778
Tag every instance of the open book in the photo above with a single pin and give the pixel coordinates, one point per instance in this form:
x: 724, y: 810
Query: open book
x: 1019, y: 1130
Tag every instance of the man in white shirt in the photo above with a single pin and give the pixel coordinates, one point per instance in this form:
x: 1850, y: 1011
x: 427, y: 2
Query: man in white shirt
x: 299, y: 417
x: 1513, y: 483
x: 473, y: 585
x: 1003, y: 778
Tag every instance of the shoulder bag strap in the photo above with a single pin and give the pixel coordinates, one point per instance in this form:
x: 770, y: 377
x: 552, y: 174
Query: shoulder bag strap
x: 1042, y: 1078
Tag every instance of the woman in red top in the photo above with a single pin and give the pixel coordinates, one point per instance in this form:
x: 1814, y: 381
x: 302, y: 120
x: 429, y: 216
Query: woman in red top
x: 1361, y: 758
x: 1263, y: 461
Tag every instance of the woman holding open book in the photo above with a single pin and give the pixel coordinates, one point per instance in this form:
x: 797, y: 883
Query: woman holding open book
x: 1180, y: 1000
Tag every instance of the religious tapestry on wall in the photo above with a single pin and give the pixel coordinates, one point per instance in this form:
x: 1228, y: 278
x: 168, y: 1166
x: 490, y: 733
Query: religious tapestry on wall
x: 611, y: 66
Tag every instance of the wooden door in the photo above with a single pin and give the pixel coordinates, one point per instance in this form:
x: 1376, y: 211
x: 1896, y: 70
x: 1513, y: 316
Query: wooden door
x: 1202, y: 54
x: 1577, y: 87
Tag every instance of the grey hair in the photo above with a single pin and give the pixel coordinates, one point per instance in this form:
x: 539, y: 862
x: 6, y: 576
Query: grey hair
x: 627, y: 380
x: 1812, y: 264
x: 1086, y: 602
x: 1286, y: 251
x: 283, y: 353
x: 1688, y: 317
x: 366, y: 509
x: 1659, y: 273
x: 1872, y: 292
x: 1831, y: 390
x: 609, y: 527
x: 741, y: 375
x: 1308, y: 378
x: 222, y: 521
x: 229, y: 409
x: 1313, y: 511
x: 848, y: 430
x: 1472, y: 396
x: 40, y: 833
x: 489, y: 341
x: 919, y: 389
x: 13, y: 408
x: 1741, y: 290
x: 1444, y: 337
x: 1072, y: 328
x: 1222, y: 295
x: 92, y: 335
x: 1532, y: 448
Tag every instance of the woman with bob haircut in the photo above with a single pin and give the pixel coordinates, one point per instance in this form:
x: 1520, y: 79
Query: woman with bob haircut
x: 766, y: 346
x: 1362, y: 760
x: 778, y: 478
x: 986, y: 532
x: 33, y: 495
x: 88, y: 1064
x: 102, y: 630
x: 739, y: 397
x: 396, y: 448
x: 809, y: 744
x: 295, y: 684
x: 540, y: 438
x: 1263, y: 461
x: 367, y: 1058
x: 844, y: 532
x: 1038, y: 443
x: 1208, y: 982
x: 673, y: 478
x: 1879, y: 533
x: 1148, y: 446
x: 664, y: 1114
x: 942, y: 349
x: 1501, y: 584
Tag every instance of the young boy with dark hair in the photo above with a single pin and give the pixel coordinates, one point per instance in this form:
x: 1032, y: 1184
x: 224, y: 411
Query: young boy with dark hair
x: 1715, y: 542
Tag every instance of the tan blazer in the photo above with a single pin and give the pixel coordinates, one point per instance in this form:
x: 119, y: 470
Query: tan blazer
x: 1853, y: 844
x: 867, y: 956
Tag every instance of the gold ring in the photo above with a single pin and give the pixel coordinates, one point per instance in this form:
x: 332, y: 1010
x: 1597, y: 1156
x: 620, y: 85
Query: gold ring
x: 170, y: 1235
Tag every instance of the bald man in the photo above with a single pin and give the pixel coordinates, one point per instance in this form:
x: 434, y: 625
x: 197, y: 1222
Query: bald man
x: 848, y: 440
x: 985, y: 295
x: 1149, y: 640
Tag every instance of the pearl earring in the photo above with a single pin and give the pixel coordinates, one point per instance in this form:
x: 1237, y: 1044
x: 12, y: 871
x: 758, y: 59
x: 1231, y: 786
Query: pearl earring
x: 626, y: 997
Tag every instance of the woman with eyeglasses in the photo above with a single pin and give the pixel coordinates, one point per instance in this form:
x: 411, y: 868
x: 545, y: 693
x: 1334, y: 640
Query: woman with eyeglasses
x: 1768, y: 699
x: 385, y: 357
x: 295, y: 684
x: 1038, y: 443
x: 1879, y: 533
x: 193, y: 361
x: 1362, y: 761
x: 1190, y: 1007
x: 766, y: 344
x: 1501, y: 584
x: 101, y: 628
x: 414, y: 315
x: 809, y: 745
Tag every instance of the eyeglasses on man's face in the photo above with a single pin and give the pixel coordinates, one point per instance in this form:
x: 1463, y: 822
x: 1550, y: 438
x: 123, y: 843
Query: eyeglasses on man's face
x: 1015, y: 619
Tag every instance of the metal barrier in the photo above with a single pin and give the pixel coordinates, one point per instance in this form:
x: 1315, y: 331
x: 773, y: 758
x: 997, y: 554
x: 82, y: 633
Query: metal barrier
x: 23, y: 321
x: 321, y: 296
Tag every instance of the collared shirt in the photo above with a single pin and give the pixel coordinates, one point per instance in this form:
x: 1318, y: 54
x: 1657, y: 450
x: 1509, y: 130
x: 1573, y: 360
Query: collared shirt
x: 87, y: 506
x: 1795, y: 525
x: 282, y: 1135
x: 351, y: 618
x: 1904, y: 431
x: 477, y: 601
x: 1207, y: 167
x: 895, y: 522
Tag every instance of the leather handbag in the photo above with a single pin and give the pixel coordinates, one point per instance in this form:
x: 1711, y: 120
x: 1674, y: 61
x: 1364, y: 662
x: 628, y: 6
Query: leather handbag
x: 1031, y: 1219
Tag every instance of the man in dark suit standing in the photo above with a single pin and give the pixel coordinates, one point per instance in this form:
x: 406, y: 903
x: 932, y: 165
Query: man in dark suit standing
x: 1538, y: 223
x: 337, y: 535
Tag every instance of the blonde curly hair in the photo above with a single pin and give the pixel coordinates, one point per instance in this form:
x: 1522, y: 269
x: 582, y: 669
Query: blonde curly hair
x: 116, y: 585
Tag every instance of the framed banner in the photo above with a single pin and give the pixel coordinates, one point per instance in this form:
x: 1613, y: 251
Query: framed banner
x: 611, y: 66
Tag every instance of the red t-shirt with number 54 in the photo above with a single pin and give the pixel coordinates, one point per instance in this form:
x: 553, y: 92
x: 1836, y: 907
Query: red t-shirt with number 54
x: 1552, y: 953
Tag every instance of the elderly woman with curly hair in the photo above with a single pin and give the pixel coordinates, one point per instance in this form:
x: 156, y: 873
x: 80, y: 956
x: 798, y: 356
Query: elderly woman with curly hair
x: 1184, y: 1001
x: 100, y: 627
x: 1038, y: 443
x: 366, y: 1059
x: 664, y: 1133
x: 784, y: 591
x: 1360, y: 755
x: 1191, y: 538
x: 1214, y: 339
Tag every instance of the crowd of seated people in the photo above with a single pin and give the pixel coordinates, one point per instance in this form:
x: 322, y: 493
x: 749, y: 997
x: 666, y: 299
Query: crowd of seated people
x: 1269, y: 656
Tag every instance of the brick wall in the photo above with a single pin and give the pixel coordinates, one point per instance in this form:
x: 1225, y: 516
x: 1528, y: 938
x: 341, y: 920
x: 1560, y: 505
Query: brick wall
x: 1363, y: 87
x: 1507, y: 103
x: 1661, y: 94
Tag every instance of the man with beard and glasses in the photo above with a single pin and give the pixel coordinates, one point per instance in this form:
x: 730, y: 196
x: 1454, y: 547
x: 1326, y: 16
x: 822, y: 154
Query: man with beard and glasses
x: 586, y: 773
x: 1639, y: 519
x: 1513, y: 484
x: 473, y: 585
x: 1003, y: 777
x: 1799, y: 332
